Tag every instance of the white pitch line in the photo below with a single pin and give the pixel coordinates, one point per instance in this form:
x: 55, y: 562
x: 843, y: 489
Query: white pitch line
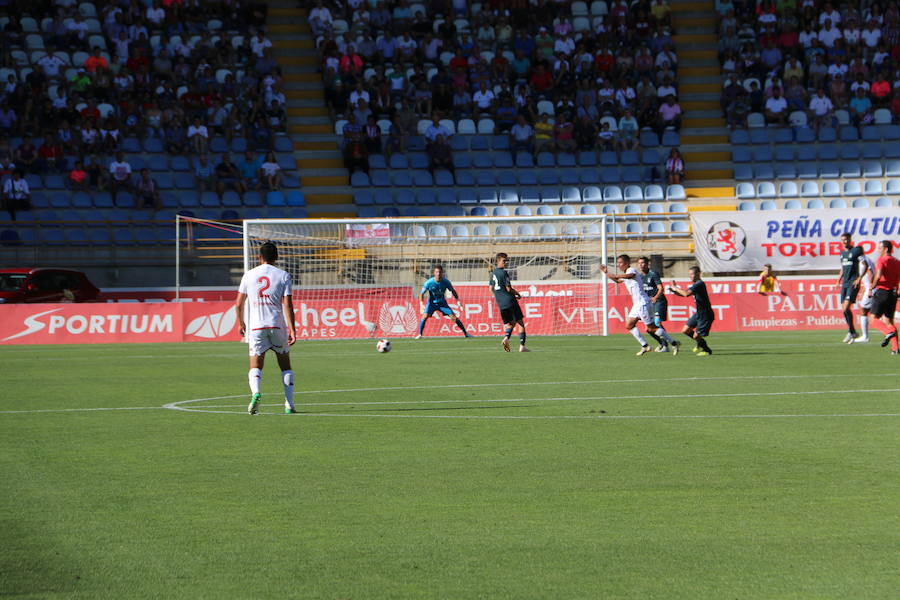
x: 54, y: 410
x: 574, y: 398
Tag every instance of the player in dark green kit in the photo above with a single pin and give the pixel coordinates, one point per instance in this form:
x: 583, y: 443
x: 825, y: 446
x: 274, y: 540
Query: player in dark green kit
x: 853, y: 268
x: 698, y: 326
x: 659, y: 306
x: 508, y: 302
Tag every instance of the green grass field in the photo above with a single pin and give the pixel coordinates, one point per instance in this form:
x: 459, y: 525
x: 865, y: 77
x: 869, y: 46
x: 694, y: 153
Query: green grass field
x: 449, y: 469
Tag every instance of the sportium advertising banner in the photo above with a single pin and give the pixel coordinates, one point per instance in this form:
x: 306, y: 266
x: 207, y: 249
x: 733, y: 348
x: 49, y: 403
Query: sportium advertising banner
x: 789, y: 240
x: 393, y: 312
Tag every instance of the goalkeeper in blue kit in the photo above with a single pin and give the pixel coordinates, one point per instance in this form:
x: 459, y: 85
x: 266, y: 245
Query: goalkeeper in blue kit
x: 436, y: 289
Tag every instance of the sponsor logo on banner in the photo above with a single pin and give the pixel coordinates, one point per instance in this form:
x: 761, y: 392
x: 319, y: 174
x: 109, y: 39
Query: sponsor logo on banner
x: 790, y: 240
x: 397, y: 320
x: 727, y: 241
x: 213, y: 325
x: 368, y: 234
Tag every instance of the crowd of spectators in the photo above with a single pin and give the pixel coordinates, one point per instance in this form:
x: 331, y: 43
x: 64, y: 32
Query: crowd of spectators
x: 803, y: 60
x: 555, y: 76
x: 81, y: 78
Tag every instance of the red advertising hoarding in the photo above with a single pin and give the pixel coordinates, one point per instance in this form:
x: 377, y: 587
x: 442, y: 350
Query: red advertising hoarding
x: 550, y: 309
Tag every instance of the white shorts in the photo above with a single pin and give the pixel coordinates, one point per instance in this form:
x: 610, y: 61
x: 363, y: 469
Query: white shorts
x: 642, y: 313
x: 261, y: 340
x: 865, y: 300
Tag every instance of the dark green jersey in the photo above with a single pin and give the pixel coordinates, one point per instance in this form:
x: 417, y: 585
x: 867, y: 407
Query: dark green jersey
x: 850, y: 264
x: 652, y: 283
x: 701, y: 297
x: 499, y: 282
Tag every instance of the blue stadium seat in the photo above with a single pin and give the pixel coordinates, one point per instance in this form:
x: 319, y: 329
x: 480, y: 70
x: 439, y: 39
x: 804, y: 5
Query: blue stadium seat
x: 671, y: 138
x: 762, y: 154
x: 459, y: 143
x: 788, y: 189
x: 123, y: 237
x: 487, y: 196
x: 547, y: 177
x: 508, y: 196
x: 524, y: 160
x: 484, y: 161
x: 283, y: 144
x: 503, y: 160
x: 807, y: 170
x: 767, y: 205
x: 390, y: 212
x: 526, y: 177
x: 785, y: 170
x: 383, y: 197
x: 741, y: 155
x: 523, y: 211
x: 851, y: 169
x: 550, y: 195
x: 649, y: 139
x: 590, y: 176
x: 500, y: 211
x: 239, y: 145
x: 446, y: 197
x: 883, y: 203
x: 837, y: 203
x: 632, y: 175
x: 849, y: 134
x: 629, y: 157
x: 592, y: 194
x: 145, y: 236
x: 164, y: 180
x: 871, y: 134
x: 500, y: 142
x: 829, y: 170
x: 850, y: 152
x: 784, y: 154
x: 653, y: 193
x: 891, y: 132
x: 783, y: 135
x: 764, y: 171
x: 651, y: 157
x: 59, y: 201
x: 478, y: 211
x: 571, y: 194
x: 809, y: 189
x: 746, y: 205
x: 766, y: 189
x: 462, y: 160
x: 131, y: 145
x: 612, y: 193
x: 759, y: 136
x: 569, y: 177
x: 377, y: 161
x: 484, y: 178
x: 272, y: 199
x: 740, y: 137
x: 426, y: 197
x: 830, y: 188
x: 359, y: 179
x: 366, y: 212
x: 743, y: 172
x: 861, y: 203
x: 422, y: 179
x: 405, y: 198
x: 827, y: 134
x: 418, y: 160
x: 565, y: 159
x: 363, y: 198
x: 804, y: 135
x: 806, y: 153
x: 872, y: 188
x: 443, y: 178
x: 478, y: 143
x: 828, y: 152
x: 633, y: 193
x: 398, y: 161
x: 184, y: 181
x: 609, y: 175
x: 609, y: 158
x: 587, y: 159
x: 152, y: 146
x: 675, y: 192
x: 465, y: 178
x: 378, y: 178
x: 793, y: 205
x: 872, y: 151
x: 102, y: 200
x: 231, y: 199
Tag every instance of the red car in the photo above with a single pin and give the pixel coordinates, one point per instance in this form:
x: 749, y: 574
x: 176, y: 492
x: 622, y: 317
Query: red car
x: 45, y: 285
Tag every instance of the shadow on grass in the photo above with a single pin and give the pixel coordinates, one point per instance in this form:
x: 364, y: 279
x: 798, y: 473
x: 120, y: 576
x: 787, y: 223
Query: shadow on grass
x: 370, y: 409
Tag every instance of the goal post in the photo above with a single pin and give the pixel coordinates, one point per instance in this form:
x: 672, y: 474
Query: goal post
x: 359, y: 278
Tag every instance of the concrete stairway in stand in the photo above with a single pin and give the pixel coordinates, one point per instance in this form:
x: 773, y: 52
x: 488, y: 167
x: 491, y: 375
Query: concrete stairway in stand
x: 325, y: 181
x: 704, y: 135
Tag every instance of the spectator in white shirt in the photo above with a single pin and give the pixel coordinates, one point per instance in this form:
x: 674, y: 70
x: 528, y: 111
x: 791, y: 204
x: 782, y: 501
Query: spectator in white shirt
x: 829, y: 14
x: 358, y: 94
x: 871, y: 35
x: 520, y: 136
x: 51, y: 64
x: 78, y: 30
x: 807, y: 36
x: 198, y: 135
x: 564, y: 45
x: 259, y: 43
x: 156, y: 14
x: 120, y: 175
x: 777, y: 108
x: 320, y: 19
x: 828, y: 34
x: 820, y: 109
x: 436, y: 129
x: 851, y: 33
x: 483, y: 98
x: 16, y: 194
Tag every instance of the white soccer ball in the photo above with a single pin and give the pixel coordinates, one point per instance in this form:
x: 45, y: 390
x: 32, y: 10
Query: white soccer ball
x: 383, y: 346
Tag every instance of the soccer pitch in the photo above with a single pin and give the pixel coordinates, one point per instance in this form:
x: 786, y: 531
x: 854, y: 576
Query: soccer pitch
x: 450, y: 469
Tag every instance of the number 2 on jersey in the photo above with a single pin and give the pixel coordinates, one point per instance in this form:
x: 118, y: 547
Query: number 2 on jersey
x: 264, y: 285
x: 496, y: 283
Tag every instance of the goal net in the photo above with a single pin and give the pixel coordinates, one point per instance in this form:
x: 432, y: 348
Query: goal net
x: 359, y: 278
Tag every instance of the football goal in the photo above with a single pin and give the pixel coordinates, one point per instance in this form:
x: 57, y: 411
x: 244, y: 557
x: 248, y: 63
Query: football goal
x: 358, y: 278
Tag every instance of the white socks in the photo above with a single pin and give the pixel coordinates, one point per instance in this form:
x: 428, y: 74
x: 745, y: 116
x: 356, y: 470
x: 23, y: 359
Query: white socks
x: 638, y: 336
x: 287, y: 377
x: 254, y: 377
x: 664, y: 335
x: 864, y: 325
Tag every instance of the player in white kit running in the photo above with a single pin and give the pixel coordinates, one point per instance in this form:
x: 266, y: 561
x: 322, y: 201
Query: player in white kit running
x: 640, y: 306
x: 270, y: 323
x: 865, y: 298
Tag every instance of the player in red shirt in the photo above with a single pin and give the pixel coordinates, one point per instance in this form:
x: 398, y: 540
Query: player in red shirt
x: 884, y: 292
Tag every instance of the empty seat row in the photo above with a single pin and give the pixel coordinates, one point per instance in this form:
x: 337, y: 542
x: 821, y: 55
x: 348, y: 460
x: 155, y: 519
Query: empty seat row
x: 816, y: 170
x: 170, y: 199
x: 551, y: 195
x: 468, y: 178
x: 529, y: 232
x: 821, y: 152
x: 812, y: 189
x: 808, y: 135
x: 816, y: 203
x: 505, y: 160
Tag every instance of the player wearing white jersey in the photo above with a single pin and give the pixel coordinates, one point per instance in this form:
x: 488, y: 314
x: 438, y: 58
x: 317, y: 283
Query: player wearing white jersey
x: 266, y: 290
x: 865, y: 302
x: 640, y: 306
